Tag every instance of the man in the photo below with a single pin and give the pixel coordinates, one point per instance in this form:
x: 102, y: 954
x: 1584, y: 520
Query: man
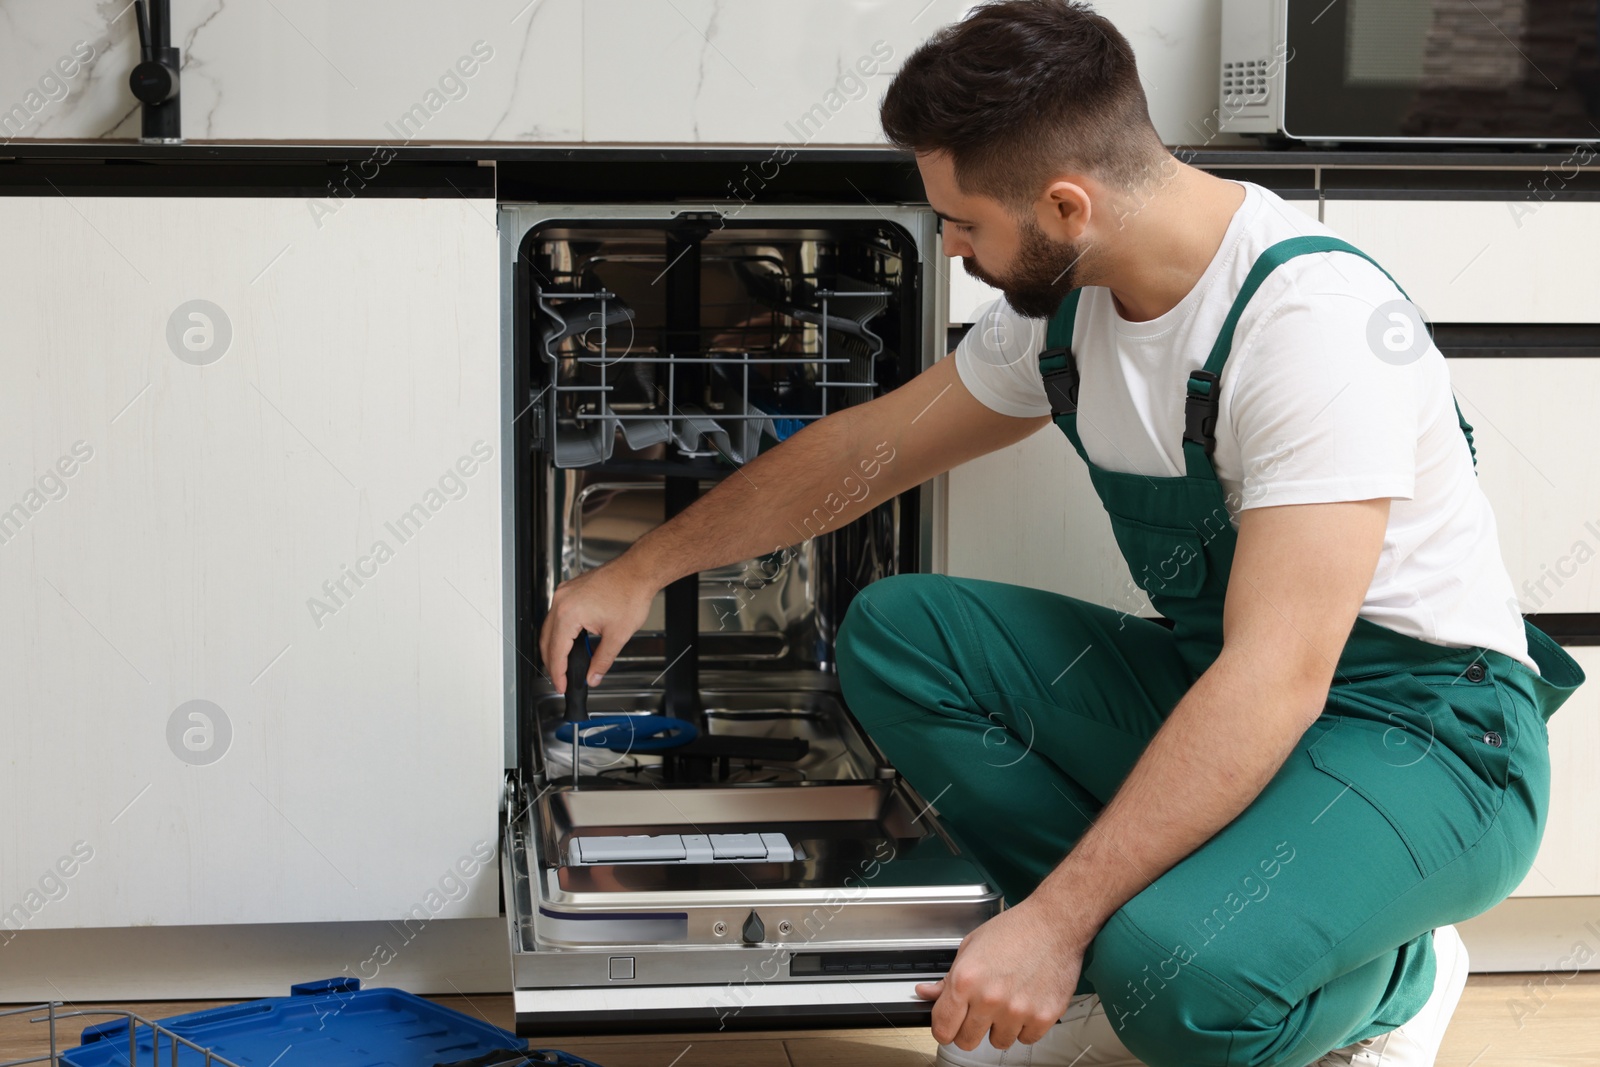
x: 1241, y: 837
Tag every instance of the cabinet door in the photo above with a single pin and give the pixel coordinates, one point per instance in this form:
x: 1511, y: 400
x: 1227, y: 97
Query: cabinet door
x: 1532, y: 420
x: 250, y: 553
x: 967, y: 294
x: 1481, y: 261
x: 1568, y: 860
x: 1028, y: 515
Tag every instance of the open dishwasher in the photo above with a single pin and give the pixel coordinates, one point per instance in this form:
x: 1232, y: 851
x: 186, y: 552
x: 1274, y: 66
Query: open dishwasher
x: 761, y: 865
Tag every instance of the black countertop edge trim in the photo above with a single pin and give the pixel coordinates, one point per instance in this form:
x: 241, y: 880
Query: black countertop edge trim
x: 313, y: 179
x: 1517, y: 340
x: 1339, y: 159
x: 200, y: 180
x: 1356, y: 156
x: 733, y: 175
x: 94, y: 151
x: 1569, y: 627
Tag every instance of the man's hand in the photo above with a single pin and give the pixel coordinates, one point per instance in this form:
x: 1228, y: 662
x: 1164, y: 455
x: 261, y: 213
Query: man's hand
x: 1014, y: 975
x: 611, y: 601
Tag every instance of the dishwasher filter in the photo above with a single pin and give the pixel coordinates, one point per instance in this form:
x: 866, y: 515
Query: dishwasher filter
x: 774, y: 869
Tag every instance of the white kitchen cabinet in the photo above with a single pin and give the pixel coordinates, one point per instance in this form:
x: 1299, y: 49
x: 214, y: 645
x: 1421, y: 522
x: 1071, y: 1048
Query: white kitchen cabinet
x: 967, y: 294
x: 170, y: 521
x: 1481, y: 260
x: 1532, y: 419
x: 1568, y: 860
x: 1027, y: 515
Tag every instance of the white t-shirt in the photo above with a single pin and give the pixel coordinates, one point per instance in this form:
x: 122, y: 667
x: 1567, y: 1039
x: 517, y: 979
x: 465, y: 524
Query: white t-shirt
x: 1307, y: 408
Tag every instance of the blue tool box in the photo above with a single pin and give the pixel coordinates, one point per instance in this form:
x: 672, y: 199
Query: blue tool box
x: 331, y: 1023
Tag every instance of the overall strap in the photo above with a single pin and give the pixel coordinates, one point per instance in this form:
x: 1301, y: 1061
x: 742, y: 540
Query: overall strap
x: 1204, y: 388
x: 1059, y: 370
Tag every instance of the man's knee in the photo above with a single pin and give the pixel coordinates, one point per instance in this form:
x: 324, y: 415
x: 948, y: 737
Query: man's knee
x: 876, y: 644
x: 1166, y: 1007
x: 886, y: 605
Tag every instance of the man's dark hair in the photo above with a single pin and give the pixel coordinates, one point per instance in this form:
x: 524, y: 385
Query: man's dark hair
x: 1019, y: 90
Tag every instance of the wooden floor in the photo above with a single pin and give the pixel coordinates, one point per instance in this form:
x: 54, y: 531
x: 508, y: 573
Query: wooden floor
x: 1499, y: 1023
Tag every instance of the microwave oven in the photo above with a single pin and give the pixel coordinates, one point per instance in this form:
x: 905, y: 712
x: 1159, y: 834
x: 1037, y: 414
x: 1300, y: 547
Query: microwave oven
x: 1330, y: 71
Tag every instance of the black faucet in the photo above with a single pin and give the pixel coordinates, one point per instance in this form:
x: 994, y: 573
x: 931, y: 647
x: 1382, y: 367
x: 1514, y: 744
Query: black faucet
x: 155, y: 80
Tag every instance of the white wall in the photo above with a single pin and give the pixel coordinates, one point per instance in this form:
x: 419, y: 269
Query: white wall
x: 598, y: 71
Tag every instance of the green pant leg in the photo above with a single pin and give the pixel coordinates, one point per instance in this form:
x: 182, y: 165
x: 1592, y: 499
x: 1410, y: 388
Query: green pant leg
x: 1016, y: 712
x: 1305, y: 924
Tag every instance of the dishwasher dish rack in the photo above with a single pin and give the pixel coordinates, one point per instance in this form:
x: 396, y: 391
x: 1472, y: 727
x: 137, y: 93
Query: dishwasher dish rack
x: 144, y: 1038
x: 329, y: 1023
x: 710, y: 390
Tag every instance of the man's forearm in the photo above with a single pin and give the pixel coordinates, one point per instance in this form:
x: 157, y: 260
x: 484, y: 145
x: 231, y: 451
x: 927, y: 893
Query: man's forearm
x: 1215, y: 753
x: 823, y: 477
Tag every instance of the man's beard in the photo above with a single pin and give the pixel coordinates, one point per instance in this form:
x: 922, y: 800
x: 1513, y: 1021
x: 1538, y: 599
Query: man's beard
x: 1044, y: 272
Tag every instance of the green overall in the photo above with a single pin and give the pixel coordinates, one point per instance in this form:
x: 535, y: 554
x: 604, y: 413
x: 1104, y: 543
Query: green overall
x: 1417, y: 798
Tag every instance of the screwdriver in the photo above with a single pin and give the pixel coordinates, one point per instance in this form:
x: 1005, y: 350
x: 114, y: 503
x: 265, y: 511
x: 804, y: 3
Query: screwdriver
x: 578, y: 693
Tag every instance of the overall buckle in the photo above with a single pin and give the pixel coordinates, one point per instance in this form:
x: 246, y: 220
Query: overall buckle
x: 1061, y: 384
x: 1200, y: 410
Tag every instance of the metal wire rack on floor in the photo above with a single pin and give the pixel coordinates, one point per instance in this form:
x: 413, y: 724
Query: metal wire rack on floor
x: 141, y: 1031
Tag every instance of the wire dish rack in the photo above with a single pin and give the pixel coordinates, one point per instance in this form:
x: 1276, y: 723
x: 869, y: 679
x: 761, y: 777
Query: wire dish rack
x: 332, y: 1022
x: 148, y: 1041
x: 737, y: 379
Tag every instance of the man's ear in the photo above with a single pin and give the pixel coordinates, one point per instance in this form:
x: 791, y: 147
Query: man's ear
x: 1065, y: 210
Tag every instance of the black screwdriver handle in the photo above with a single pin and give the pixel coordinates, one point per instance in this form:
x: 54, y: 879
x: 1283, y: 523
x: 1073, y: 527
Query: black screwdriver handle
x: 578, y: 679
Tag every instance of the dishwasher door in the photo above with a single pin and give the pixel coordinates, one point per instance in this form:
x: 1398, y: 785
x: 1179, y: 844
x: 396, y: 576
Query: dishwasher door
x: 859, y: 897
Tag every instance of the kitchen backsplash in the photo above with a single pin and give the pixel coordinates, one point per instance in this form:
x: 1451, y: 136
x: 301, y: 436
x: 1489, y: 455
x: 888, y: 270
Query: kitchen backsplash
x: 598, y: 71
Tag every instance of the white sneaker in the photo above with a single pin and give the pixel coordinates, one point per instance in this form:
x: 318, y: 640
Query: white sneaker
x: 1416, y: 1042
x: 1083, y: 1038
